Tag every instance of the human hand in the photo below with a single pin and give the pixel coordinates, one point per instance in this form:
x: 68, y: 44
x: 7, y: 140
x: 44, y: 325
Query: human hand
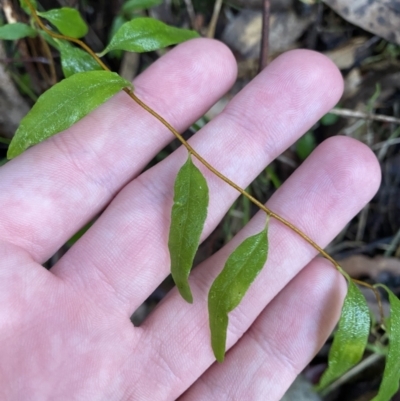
x: 66, y: 334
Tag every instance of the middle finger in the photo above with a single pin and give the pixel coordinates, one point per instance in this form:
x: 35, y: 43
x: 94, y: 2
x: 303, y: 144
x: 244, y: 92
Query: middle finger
x: 125, y: 250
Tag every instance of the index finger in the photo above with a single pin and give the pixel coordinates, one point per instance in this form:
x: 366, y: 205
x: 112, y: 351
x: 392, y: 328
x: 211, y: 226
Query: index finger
x: 53, y: 189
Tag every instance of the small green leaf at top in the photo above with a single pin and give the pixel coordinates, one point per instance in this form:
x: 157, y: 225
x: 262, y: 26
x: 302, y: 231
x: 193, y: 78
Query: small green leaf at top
x: 228, y: 289
x: 138, y: 5
x: 63, y: 105
x: 391, y: 374
x: 16, y: 31
x: 351, y: 337
x: 24, y: 5
x: 147, y: 34
x: 188, y: 216
x: 67, y: 20
x: 75, y: 60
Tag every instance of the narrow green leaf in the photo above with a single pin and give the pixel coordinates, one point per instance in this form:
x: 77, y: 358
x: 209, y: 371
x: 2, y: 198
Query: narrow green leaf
x: 228, y: 289
x: 137, y: 5
x: 67, y: 20
x: 189, y: 213
x: 63, y: 105
x: 147, y: 34
x: 16, y: 31
x: 75, y: 60
x: 391, y: 375
x: 351, y: 337
x: 25, y: 7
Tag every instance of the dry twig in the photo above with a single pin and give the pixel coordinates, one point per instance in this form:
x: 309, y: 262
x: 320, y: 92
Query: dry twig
x: 214, y: 18
x: 366, y: 116
x: 192, y: 14
x: 265, y: 35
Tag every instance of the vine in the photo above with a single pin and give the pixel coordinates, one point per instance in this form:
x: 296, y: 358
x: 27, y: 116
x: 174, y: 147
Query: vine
x: 191, y: 196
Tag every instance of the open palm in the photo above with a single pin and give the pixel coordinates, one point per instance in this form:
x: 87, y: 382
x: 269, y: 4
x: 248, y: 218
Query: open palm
x: 65, y: 334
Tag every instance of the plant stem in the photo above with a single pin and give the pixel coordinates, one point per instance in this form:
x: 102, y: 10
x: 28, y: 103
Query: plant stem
x: 228, y: 181
x: 70, y: 39
x: 269, y: 212
x: 265, y: 35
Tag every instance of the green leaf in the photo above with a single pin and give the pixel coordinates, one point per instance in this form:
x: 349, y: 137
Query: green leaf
x: 16, y: 31
x: 118, y: 21
x: 189, y: 213
x: 147, y: 34
x: 63, y: 105
x: 305, y: 145
x: 75, y: 60
x: 25, y: 7
x: 329, y: 119
x: 67, y: 20
x: 228, y: 289
x: 351, y: 337
x: 51, y: 41
x: 137, y: 5
x: 391, y: 375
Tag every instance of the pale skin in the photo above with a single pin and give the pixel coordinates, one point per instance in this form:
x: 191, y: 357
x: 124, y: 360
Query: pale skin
x: 65, y: 334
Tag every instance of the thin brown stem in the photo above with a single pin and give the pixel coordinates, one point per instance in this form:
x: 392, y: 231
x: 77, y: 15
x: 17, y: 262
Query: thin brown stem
x: 46, y: 48
x: 214, y: 19
x: 377, y: 296
x: 63, y: 37
x: 366, y: 116
x: 265, y: 35
x: 191, y: 13
x: 189, y: 148
x: 227, y: 180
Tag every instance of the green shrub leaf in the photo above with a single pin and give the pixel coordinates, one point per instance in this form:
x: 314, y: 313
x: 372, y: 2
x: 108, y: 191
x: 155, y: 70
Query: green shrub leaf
x: 329, y: 119
x: 305, y: 145
x: 391, y: 375
x: 16, y: 31
x: 75, y: 60
x: 67, y: 20
x: 351, y: 337
x: 189, y: 213
x: 136, y: 5
x: 147, y: 34
x: 63, y: 105
x: 228, y: 289
x: 25, y: 7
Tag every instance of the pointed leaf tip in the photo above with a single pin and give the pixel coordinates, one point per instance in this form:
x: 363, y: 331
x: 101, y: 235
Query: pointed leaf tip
x: 231, y: 285
x: 188, y: 216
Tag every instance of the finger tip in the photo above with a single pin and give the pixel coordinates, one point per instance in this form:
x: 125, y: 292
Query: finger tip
x: 206, y: 60
x: 313, y: 73
x: 362, y: 168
